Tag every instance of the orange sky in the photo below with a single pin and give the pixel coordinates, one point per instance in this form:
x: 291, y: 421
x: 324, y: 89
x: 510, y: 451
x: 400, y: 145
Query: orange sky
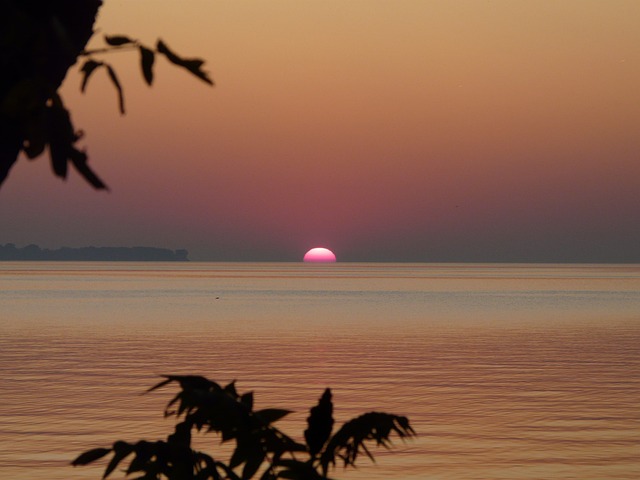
x: 387, y: 131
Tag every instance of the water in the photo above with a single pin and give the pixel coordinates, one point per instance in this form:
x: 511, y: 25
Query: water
x: 505, y: 371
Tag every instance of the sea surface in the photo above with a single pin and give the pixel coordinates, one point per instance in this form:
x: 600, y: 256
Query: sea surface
x: 505, y: 371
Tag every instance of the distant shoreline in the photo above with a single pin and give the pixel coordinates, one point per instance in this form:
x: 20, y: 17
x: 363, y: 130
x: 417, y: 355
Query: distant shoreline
x: 10, y: 252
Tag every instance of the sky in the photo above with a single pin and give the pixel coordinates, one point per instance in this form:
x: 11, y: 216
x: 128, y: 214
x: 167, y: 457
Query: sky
x: 404, y: 131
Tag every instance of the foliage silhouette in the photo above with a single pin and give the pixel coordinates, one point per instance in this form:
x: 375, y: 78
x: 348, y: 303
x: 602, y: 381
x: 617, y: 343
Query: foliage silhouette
x: 40, y: 40
x: 259, y: 447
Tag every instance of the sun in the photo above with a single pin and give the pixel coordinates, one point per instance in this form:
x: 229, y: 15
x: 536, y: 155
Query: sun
x: 319, y: 255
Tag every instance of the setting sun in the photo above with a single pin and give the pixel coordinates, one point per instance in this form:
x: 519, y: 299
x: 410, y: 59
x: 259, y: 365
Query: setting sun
x: 319, y: 255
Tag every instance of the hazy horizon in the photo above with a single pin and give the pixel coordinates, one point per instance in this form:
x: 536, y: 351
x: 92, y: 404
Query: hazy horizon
x: 177, y: 251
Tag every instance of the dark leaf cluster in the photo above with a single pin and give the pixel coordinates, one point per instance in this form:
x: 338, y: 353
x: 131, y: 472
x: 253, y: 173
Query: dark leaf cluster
x: 39, y: 42
x: 259, y: 448
x: 160, y: 459
x: 50, y: 126
x: 147, y: 61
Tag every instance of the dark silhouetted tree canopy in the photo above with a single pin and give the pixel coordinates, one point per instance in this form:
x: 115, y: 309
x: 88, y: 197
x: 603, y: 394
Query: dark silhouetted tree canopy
x: 260, y: 448
x: 39, y: 41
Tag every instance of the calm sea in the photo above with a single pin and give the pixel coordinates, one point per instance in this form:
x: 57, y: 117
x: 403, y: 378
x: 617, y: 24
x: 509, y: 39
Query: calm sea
x: 506, y: 371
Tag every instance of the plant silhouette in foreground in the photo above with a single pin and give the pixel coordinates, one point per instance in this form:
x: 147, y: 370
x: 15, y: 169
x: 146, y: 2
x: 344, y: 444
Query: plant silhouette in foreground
x: 40, y: 40
x: 260, y: 448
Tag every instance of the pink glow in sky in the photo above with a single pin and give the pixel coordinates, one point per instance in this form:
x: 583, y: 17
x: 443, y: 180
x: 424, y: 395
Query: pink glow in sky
x: 319, y: 255
x: 393, y: 131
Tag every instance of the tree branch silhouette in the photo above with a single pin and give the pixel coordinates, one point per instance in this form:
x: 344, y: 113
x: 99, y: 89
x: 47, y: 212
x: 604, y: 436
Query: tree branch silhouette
x: 40, y: 40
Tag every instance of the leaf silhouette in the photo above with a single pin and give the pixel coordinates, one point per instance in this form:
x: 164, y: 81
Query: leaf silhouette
x: 116, y: 83
x: 120, y: 451
x: 60, y: 135
x: 193, y: 65
x: 147, y: 58
x: 87, y: 69
x: 193, y: 382
x: 167, y: 52
x: 320, y: 423
x: 90, y: 456
x: 350, y: 440
x: 143, y: 454
x: 79, y: 160
x: 117, y: 40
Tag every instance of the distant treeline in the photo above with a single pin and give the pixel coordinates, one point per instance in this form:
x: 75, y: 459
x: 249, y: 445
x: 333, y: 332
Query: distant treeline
x: 93, y: 254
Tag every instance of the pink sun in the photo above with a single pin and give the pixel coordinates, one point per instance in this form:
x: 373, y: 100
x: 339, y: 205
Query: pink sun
x: 319, y: 255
